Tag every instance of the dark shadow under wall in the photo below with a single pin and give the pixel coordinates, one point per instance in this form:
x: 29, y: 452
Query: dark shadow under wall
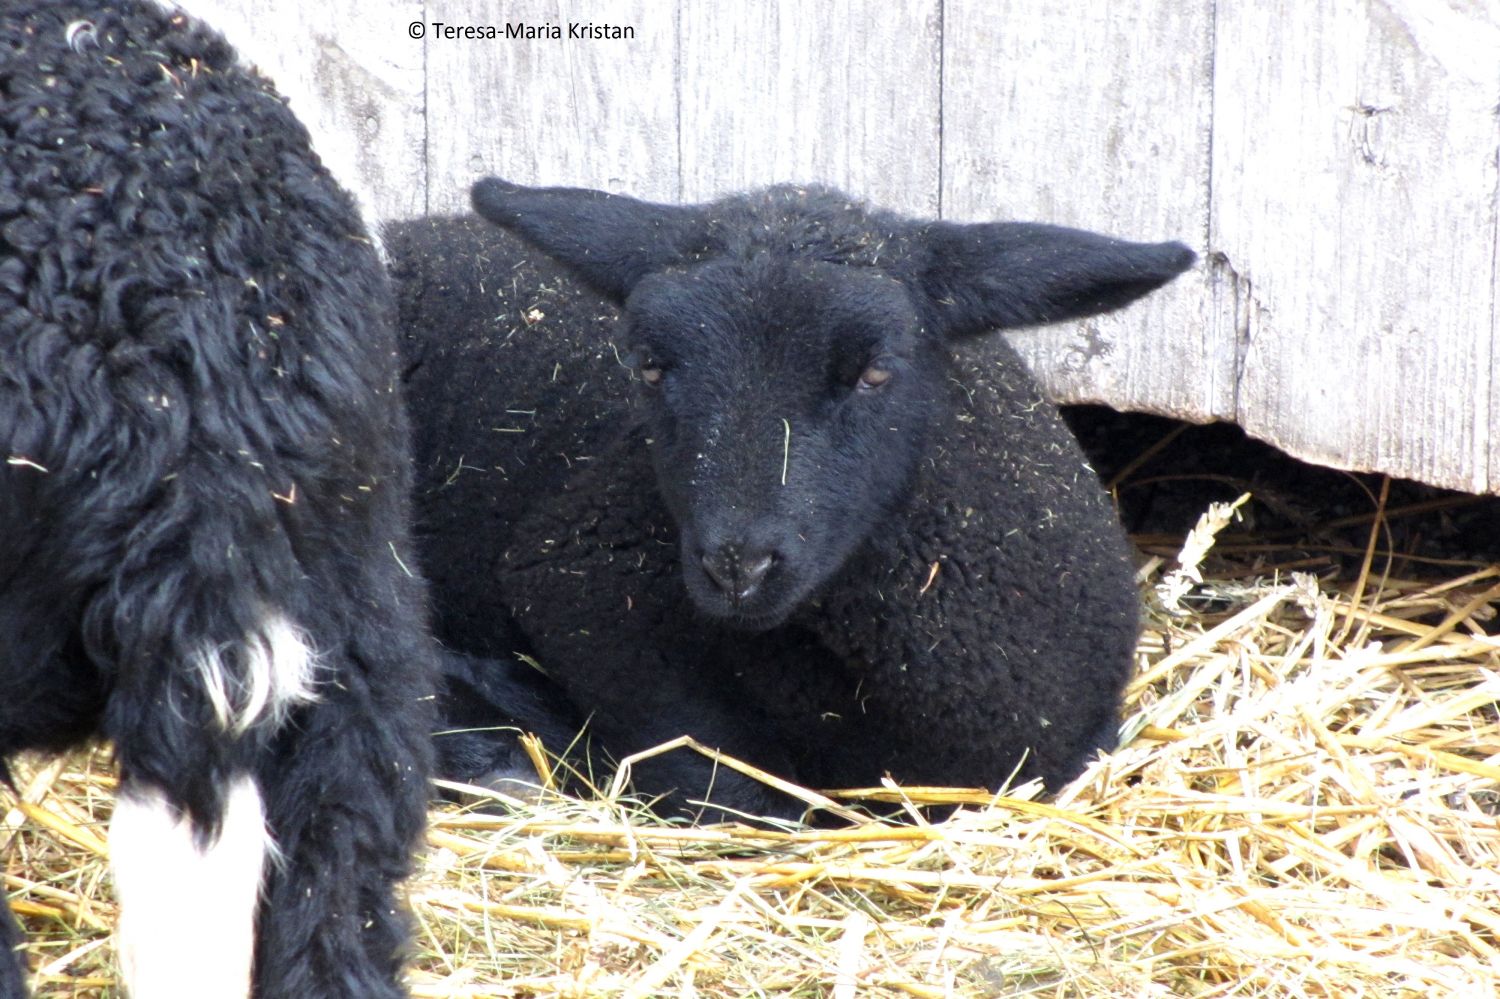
x: 1164, y: 473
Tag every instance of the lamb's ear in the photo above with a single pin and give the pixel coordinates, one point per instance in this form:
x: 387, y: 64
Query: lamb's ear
x: 998, y: 275
x: 609, y: 240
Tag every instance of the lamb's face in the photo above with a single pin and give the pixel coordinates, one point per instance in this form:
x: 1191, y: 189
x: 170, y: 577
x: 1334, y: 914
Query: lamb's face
x: 786, y: 403
x: 786, y: 371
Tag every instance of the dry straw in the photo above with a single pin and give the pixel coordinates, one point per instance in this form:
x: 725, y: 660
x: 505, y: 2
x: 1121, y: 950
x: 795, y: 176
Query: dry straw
x: 1305, y: 806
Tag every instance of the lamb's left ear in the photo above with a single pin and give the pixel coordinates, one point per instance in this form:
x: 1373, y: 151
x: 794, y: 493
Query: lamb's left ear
x: 998, y: 275
x: 609, y: 240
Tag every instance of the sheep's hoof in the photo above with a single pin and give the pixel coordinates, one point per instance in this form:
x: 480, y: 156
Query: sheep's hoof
x: 503, y: 787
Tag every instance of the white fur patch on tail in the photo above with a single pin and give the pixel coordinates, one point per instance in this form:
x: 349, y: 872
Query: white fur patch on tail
x: 277, y: 670
x: 187, y: 916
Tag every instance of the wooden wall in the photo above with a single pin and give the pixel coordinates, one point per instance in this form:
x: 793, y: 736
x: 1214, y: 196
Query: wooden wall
x: 1336, y: 164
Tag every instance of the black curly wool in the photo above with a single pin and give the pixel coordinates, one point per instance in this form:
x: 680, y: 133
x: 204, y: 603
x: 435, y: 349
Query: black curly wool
x: 830, y: 529
x: 201, y: 431
x: 12, y: 979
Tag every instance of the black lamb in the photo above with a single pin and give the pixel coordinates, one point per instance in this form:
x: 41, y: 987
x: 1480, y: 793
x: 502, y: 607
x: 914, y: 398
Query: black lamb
x: 794, y: 505
x: 204, y: 478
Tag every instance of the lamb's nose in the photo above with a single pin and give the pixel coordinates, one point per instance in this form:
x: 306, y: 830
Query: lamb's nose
x: 738, y: 571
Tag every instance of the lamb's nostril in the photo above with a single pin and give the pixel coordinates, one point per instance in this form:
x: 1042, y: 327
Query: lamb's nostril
x: 752, y: 571
x: 721, y: 569
x: 737, y: 574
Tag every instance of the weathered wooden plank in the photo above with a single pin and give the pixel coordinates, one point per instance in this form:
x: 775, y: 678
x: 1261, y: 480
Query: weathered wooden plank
x: 1354, y: 192
x: 1349, y: 308
x: 834, y: 91
x: 580, y: 111
x: 1492, y: 428
x: 1095, y: 116
x: 353, y: 76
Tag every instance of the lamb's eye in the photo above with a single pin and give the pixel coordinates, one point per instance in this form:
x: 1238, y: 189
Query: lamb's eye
x: 651, y: 374
x: 873, y: 377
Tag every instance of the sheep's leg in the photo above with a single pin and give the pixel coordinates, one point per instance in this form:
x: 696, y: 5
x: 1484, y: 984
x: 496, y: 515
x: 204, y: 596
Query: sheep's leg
x: 187, y: 901
x: 485, y: 705
x: 778, y: 701
x: 191, y: 712
x: 676, y: 703
x: 346, y: 795
x: 486, y: 701
x: 232, y: 659
x: 188, y: 839
x: 12, y: 968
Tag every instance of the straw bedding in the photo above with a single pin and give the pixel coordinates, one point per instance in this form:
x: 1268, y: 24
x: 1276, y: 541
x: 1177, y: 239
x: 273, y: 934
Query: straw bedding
x: 1306, y: 806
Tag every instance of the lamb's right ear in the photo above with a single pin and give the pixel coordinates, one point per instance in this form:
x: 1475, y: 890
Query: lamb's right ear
x: 999, y: 275
x: 609, y: 240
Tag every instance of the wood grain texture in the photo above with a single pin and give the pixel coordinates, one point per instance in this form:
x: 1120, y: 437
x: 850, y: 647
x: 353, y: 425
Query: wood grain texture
x: 1095, y: 117
x: 1354, y: 213
x: 833, y: 91
x: 581, y: 112
x: 1337, y: 165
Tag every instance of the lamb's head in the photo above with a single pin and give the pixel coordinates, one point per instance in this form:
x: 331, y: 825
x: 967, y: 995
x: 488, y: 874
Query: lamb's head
x: 792, y: 348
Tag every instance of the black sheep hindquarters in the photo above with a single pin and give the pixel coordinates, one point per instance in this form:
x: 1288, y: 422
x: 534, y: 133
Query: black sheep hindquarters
x: 204, y: 476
